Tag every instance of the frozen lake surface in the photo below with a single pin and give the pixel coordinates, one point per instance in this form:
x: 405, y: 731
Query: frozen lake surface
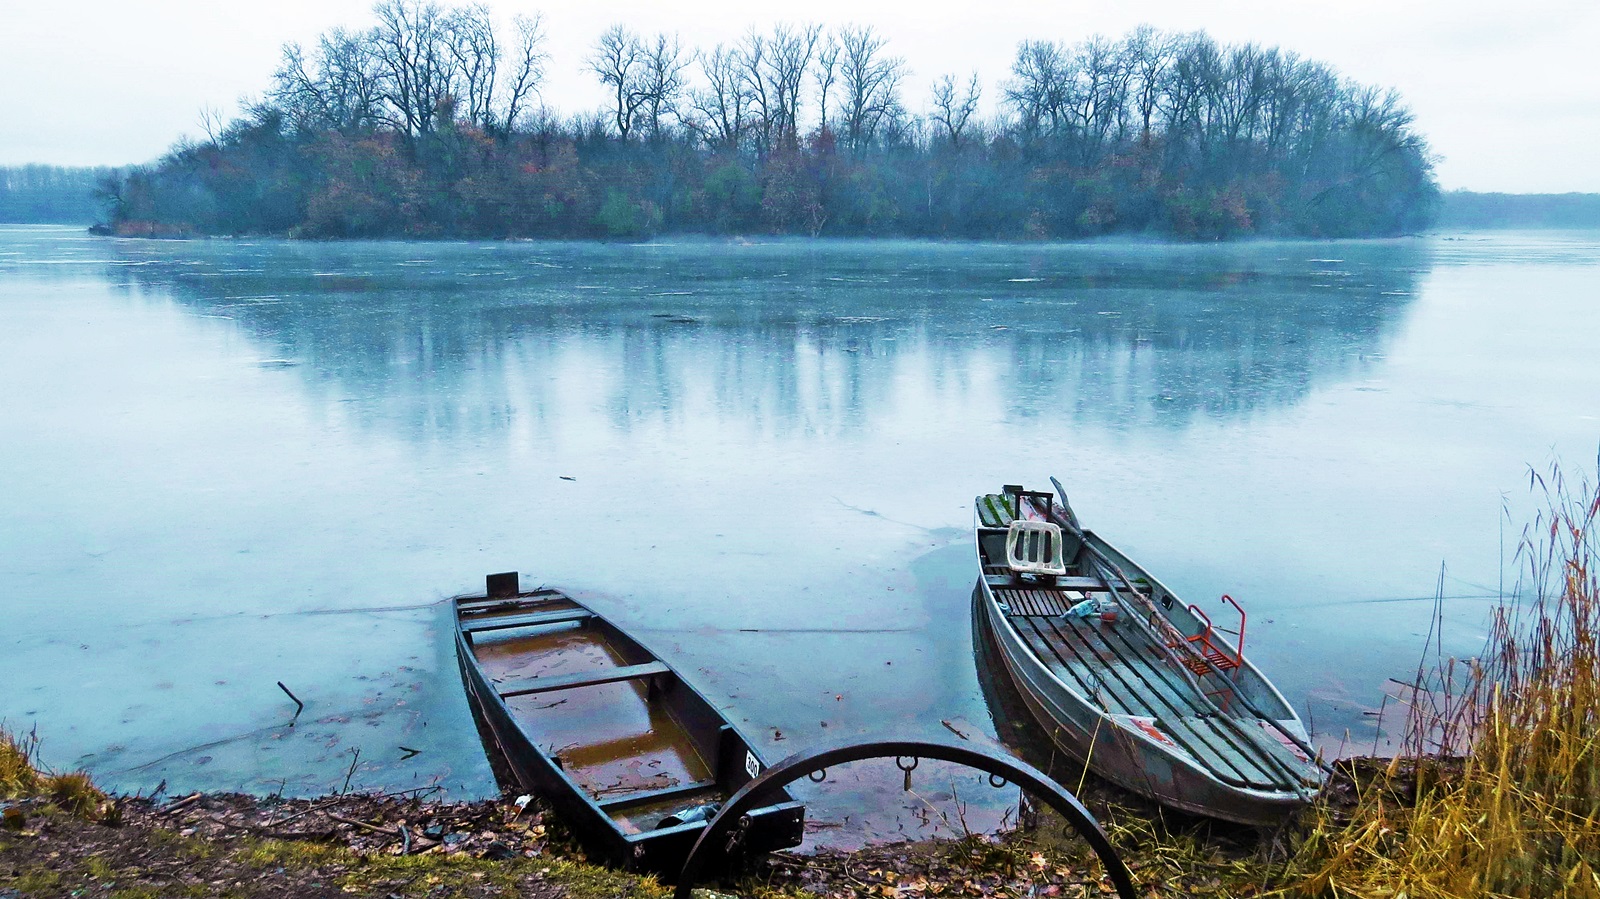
x: 232, y: 463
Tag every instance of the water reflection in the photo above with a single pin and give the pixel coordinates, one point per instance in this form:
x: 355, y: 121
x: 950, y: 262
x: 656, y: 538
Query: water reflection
x: 801, y: 338
x: 239, y: 462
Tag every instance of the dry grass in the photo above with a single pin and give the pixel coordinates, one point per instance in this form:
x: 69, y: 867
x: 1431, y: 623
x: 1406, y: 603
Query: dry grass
x: 19, y: 778
x: 22, y: 777
x: 1498, y: 791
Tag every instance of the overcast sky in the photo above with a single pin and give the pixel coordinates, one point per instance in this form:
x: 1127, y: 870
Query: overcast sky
x: 1510, y: 101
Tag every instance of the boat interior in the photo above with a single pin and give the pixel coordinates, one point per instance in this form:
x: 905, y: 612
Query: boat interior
x: 642, y: 745
x: 1041, y: 577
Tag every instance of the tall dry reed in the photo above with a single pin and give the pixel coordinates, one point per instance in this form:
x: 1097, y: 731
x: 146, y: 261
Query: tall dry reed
x: 1497, y: 792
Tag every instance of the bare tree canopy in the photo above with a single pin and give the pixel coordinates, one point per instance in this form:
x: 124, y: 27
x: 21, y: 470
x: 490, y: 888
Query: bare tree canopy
x: 772, y: 71
x: 870, y: 81
x: 721, y: 108
x: 618, y: 61
x: 422, y: 65
x: 952, y: 110
x: 663, y: 81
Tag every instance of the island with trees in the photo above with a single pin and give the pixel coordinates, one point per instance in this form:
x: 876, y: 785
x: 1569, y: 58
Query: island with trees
x: 430, y: 123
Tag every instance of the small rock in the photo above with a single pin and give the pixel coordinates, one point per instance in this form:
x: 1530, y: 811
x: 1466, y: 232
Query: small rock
x: 13, y: 818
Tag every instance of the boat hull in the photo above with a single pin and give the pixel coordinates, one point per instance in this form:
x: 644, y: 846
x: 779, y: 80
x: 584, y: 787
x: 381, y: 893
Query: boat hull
x: 1091, y: 739
x: 662, y: 849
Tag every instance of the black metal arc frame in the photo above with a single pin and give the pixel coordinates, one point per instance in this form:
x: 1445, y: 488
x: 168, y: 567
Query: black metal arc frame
x: 714, y: 839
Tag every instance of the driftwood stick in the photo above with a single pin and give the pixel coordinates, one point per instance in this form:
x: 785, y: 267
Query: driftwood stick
x: 299, y: 706
x: 352, y: 772
x: 182, y: 804
x: 364, y: 825
x: 303, y: 812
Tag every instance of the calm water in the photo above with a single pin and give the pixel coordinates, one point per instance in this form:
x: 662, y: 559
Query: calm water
x: 227, y: 464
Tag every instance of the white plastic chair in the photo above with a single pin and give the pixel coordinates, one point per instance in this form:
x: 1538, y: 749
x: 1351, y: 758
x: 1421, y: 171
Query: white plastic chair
x: 1034, y: 547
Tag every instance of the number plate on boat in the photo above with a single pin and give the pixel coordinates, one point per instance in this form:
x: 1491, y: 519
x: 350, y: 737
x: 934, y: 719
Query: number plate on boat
x: 751, y: 766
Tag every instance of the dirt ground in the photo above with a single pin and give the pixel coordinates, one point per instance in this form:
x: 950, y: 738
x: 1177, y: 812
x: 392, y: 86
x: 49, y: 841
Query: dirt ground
x: 242, y: 846
x: 227, y: 845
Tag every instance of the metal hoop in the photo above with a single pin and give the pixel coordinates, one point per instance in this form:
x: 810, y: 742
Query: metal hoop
x: 801, y: 764
x: 900, y: 763
x: 818, y: 776
x: 996, y: 781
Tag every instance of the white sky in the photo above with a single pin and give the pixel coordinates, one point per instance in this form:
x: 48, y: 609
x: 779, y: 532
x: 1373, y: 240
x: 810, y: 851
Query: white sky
x: 1510, y: 100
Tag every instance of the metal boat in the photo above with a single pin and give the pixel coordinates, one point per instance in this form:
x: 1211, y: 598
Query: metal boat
x: 1128, y: 680
x: 633, y: 759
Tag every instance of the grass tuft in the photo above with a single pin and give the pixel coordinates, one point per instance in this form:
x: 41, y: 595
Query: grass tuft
x: 22, y: 777
x: 77, y: 795
x: 19, y: 778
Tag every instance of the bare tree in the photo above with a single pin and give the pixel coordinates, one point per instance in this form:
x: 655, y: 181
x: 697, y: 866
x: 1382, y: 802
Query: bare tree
x: 411, y: 45
x: 824, y: 75
x: 1098, y: 94
x: 1038, y: 88
x: 721, y: 106
x: 1146, y: 54
x: 1379, y: 125
x: 870, y: 81
x: 339, y: 88
x: 1190, y: 80
x: 212, y: 122
x: 752, y: 85
x: 528, y: 71
x: 618, y: 60
x: 661, y: 81
x: 1314, y: 117
x: 1241, y: 93
x: 785, y: 65
x: 475, y: 54
x: 952, y: 110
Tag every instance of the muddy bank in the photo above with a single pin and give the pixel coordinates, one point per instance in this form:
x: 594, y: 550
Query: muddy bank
x: 387, y: 846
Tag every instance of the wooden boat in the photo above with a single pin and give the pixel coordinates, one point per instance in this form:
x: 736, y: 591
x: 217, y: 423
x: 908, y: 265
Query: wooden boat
x: 1128, y: 680
x: 632, y: 758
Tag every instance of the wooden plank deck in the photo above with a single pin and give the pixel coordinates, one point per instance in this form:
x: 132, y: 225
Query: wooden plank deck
x: 1120, y: 668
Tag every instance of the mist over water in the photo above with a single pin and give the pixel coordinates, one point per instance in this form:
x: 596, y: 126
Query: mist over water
x: 233, y: 463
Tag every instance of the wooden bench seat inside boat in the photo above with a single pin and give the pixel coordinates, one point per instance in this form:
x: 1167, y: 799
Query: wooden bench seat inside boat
x: 584, y: 679
x: 536, y: 619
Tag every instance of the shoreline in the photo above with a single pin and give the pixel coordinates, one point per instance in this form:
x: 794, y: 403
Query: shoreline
x: 229, y: 844
x: 161, y: 231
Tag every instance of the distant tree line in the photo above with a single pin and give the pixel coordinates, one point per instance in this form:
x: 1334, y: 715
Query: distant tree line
x: 430, y: 123
x: 1462, y: 209
x: 49, y: 194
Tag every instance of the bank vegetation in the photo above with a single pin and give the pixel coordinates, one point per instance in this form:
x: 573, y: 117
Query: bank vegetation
x: 430, y: 123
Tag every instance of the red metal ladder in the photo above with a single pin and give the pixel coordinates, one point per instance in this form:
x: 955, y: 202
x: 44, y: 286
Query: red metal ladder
x: 1212, y: 651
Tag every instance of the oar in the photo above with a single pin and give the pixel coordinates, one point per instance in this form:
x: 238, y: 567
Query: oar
x: 1102, y: 561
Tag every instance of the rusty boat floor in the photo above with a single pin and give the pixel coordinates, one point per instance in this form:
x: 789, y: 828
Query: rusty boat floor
x: 606, y: 734
x: 584, y: 715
